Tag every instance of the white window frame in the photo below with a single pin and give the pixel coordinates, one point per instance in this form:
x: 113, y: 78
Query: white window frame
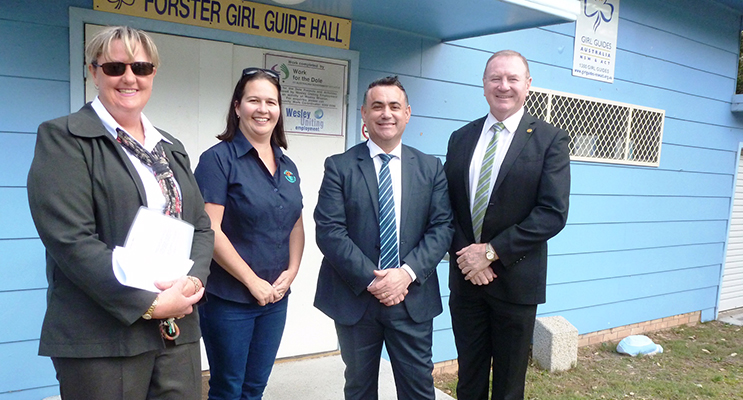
x: 625, y: 134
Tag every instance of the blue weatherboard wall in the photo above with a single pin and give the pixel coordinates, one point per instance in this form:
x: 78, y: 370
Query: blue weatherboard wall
x: 34, y: 77
x: 641, y: 243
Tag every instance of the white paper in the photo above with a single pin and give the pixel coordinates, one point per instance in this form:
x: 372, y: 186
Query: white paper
x: 157, y: 248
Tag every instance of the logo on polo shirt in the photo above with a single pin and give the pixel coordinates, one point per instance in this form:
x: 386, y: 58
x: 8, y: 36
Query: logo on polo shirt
x: 289, y: 176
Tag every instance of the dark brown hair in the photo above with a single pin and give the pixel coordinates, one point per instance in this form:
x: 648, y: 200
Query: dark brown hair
x: 278, y: 137
x: 387, y: 81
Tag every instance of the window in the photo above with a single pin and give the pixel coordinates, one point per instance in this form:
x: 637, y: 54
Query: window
x: 600, y: 130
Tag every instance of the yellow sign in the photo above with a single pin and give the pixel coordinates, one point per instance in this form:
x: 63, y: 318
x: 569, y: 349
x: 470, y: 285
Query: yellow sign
x: 239, y: 16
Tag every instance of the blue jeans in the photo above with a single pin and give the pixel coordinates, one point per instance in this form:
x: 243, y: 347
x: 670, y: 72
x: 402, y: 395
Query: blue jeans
x: 241, y: 344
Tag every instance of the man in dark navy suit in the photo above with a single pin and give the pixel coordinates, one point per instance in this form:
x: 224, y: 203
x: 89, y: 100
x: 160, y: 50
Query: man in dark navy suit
x: 509, y: 183
x: 383, y: 224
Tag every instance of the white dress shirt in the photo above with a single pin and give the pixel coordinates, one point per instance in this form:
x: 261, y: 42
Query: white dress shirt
x: 504, y: 142
x: 154, y: 195
x: 395, y: 166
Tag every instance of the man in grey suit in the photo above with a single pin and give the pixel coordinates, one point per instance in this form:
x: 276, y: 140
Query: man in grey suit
x: 509, y: 183
x: 382, y: 239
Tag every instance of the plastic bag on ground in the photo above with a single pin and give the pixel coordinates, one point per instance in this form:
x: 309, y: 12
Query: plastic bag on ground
x: 638, y: 344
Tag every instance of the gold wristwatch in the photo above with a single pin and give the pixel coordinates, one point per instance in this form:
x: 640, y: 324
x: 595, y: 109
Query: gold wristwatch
x: 148, y: 314
x: 490, y: 253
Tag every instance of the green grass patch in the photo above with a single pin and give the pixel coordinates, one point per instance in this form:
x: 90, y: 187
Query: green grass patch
x: 704, y: 361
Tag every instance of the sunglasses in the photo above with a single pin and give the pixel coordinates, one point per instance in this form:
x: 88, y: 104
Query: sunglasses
x: 253, y: 70
x: 139, y: 68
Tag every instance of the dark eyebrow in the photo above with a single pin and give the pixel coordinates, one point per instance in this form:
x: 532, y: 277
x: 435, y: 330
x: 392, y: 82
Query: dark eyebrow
x: 383, y: 103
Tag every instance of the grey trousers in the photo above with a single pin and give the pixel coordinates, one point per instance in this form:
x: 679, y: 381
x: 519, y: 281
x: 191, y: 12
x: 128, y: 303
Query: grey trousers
x: 170, y: 373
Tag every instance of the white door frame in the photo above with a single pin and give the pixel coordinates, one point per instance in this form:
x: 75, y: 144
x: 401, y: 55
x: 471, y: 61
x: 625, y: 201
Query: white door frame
x: 739, y: 156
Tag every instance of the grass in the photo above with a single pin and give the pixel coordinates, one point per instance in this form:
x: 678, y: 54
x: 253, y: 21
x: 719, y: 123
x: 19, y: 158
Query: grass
x: 704, y: 361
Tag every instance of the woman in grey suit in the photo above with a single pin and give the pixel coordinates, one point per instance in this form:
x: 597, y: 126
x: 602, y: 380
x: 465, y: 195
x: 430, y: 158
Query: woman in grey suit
x: 92, y: 171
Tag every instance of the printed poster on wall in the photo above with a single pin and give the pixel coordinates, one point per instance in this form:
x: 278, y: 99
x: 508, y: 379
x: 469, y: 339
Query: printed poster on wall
x: 596, y: 40
x: 312, y: 93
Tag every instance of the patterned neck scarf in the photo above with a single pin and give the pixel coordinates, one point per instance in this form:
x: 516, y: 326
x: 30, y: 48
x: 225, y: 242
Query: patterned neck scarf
x: 161, y: 168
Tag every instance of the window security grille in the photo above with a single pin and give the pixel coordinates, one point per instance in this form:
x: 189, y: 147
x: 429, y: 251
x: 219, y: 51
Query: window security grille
x: 601, y: 130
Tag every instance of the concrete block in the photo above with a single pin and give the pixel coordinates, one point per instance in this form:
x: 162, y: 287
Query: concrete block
x: 736, y: 103
x: 555, y: 345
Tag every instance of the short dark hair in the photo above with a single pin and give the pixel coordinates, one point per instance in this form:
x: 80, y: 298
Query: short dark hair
x: 387, y: 81
x: 278, y: 137
x: 507, y: 53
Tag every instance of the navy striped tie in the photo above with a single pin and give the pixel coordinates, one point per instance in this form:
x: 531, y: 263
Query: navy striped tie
x: 387, y: 225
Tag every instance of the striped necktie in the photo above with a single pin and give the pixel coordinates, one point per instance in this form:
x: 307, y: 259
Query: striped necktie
x: 387, y: 226
x: 483, y: 184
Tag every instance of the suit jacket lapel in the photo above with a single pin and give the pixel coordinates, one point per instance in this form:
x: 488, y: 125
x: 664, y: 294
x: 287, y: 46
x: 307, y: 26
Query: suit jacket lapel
x: 469, y: 144
x: 520, y: 138
x: 86, y: 123
x: 366, y: 165
x: 407, y: 166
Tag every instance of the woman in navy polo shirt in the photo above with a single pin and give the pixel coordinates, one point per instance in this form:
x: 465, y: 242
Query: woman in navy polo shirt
x: 251, y: 190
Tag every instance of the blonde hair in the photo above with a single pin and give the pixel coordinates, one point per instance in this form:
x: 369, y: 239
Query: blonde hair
x: 132, y: 38
x: 507, y: 53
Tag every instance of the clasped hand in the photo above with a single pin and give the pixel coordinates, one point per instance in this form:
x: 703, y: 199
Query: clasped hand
x: 390, y: 286
x: 176, y: 299
x: 266, y: 293
x: 474, y: 264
